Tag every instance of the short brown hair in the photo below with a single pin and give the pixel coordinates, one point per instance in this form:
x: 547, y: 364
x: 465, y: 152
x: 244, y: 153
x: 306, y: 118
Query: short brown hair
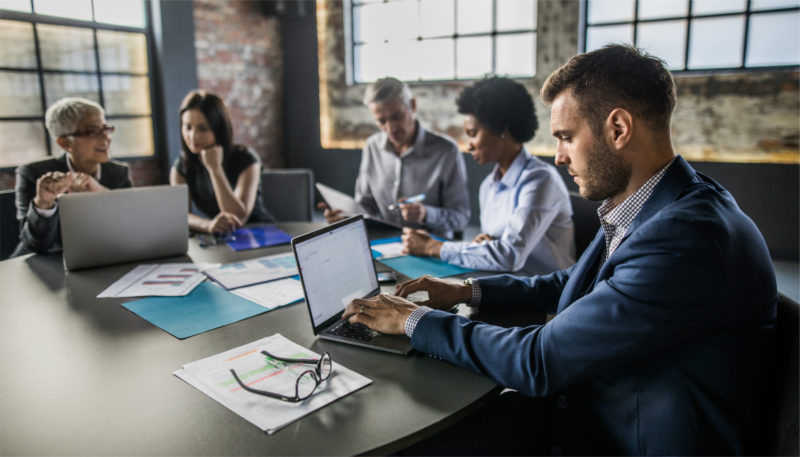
x: 616, y: 76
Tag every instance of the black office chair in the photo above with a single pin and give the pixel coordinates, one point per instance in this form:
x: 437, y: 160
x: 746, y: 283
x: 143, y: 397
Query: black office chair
x: 781, y: 430
x: 9, y: 227
x: 288, y: 193
x: 585, y: 220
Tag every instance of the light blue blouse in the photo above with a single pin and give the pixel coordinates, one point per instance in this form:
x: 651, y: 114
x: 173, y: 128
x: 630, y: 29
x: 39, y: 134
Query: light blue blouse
x: 528, y: 214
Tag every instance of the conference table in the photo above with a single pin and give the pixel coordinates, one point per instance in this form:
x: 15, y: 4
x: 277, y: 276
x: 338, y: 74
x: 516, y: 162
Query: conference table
x: 84, y: 376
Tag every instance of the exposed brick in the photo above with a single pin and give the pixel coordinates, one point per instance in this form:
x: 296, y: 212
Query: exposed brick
x: 239, y: 58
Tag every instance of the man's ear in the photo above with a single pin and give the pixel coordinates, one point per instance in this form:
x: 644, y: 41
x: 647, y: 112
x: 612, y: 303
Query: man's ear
x: 65, y: 143
x: 413, y: 105
x: 619, y: 125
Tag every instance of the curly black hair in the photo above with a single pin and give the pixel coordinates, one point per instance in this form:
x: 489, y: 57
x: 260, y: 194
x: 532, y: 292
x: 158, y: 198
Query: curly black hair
x: 499, y: 103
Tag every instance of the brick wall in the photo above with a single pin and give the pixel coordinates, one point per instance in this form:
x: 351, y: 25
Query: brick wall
x: 239, y: 58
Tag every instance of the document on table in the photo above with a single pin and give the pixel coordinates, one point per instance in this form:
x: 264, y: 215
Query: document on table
x: 161, y: 280
x: 212, y: 376
x: 254, y: 271
x: 387, y: 248
x: 273, y: 294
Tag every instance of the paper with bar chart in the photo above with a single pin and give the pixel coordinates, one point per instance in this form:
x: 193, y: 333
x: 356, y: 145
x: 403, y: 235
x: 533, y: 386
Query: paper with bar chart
x: 254, y: 271
x: 157, y: 280
x: 212, y: 376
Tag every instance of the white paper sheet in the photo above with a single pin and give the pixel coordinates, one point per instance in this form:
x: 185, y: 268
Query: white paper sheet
x: 162, y: 280
x: 339, y: 200
x: 254, y: 271
x: 212, y: 377
x: 388, y: 250
x: 273, y: 294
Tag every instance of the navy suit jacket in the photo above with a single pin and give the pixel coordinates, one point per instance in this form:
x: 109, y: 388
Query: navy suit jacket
x: 42, y: 234
x: 664, y: 354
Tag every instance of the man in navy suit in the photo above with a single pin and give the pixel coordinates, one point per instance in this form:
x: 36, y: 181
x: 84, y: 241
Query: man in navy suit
x: 662, y: 329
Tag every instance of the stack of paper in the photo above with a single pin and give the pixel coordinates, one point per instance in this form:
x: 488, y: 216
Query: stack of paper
x: 164, y: 280
x: 254, y: 271
x: 212, y: 376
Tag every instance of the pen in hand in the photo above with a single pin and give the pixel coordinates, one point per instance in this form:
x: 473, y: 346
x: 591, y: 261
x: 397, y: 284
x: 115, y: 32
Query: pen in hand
x: 412, y: 199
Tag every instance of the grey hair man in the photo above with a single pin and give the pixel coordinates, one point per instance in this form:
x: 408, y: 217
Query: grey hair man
x: 404, y: 160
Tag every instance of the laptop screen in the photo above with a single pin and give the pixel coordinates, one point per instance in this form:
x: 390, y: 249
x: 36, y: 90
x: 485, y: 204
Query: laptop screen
x: 335, y: 266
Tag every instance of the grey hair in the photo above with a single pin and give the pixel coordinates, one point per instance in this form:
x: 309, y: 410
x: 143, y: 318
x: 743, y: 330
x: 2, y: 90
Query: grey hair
x: 63, y: 116
x: 387, y: 90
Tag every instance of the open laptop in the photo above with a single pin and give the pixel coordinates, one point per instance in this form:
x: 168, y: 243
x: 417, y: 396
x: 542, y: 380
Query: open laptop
x: 123, y: 225
x: 335, y: 265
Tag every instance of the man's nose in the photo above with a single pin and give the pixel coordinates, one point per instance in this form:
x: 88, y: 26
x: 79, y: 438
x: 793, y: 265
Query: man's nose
x: 561, y: 157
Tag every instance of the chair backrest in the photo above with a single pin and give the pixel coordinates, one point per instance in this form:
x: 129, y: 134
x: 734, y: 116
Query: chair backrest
x: 288, y: 193
x: 9, y: 227
x: 584, y: 218
x: 784, y: 422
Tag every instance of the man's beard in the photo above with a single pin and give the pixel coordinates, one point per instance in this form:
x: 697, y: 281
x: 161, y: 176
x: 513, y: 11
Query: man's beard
x: 607, y: 173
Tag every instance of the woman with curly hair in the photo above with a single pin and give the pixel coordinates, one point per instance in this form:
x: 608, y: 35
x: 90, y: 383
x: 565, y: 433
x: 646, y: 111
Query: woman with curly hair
x: 526, y: 216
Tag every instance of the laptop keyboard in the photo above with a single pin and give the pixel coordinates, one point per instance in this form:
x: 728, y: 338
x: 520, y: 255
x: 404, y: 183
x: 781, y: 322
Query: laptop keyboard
x: 354, y: 331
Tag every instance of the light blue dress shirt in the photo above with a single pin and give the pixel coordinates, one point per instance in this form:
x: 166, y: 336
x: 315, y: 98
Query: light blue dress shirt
x: 433, y: 165
x: 528, y: 214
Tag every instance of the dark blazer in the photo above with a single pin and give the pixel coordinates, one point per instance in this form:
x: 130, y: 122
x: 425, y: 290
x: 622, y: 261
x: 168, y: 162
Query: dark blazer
x: 43, y: 234
x: 663, y: 355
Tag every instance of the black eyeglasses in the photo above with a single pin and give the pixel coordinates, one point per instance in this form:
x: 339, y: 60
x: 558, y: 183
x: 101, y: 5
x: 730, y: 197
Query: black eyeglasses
x: 215, y: 239
x: 307, y: 382
x: 95, y: 132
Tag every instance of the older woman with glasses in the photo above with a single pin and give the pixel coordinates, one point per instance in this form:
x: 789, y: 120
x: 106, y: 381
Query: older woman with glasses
x: 79, y: 128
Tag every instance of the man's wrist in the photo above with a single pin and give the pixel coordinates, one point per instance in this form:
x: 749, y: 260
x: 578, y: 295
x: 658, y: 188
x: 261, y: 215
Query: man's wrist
x: 433, y: 248
x: 413, y: 319
x: 471, y: 293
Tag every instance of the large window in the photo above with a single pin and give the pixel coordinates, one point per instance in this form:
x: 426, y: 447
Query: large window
x: 701, y: 34
x: 96, y: 49
x: 430, y: 40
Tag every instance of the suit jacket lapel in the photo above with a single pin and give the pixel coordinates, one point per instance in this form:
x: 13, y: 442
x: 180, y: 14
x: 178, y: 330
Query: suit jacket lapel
x: 675, y: 180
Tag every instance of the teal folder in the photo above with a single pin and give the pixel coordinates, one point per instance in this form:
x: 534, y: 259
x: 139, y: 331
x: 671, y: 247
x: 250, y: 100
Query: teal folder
x: 414, y: 267
x: 207, y: 307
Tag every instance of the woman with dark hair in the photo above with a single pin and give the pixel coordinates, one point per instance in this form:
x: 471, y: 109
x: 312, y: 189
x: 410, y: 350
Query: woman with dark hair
x: 526, y: 216
x: 223, y: 178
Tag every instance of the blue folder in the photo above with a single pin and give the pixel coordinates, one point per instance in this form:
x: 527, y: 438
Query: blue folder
x: 207, y: 307
x: 414, y: 267
x: 258, y: 237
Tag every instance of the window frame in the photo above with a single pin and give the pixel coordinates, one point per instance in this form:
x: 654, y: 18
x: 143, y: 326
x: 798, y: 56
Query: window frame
x: 37, y: 19
x: 351, y: 44
x: 689, y: 17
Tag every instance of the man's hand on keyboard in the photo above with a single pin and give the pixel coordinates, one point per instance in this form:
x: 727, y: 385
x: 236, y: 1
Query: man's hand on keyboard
x: 442, y: 294
x: 384, y: 313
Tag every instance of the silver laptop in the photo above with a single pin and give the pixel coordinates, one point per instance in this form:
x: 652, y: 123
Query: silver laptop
x: 336, y: 266
x: 123, y: 225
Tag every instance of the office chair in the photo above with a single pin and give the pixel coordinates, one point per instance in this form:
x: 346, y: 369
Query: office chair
x: 584, y: 218
x: 9, y: 227
x: 288, y: 193
x: 781, y: 430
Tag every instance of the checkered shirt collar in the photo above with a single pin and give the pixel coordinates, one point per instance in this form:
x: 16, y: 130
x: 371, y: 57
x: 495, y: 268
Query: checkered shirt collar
x: 616, y: 220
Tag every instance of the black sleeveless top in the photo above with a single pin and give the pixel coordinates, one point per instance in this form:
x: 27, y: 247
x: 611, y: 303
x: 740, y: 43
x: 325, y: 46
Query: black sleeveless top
x: 202, y: 192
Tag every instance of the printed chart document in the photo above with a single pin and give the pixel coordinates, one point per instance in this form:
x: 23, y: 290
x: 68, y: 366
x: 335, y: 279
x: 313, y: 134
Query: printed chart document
x: 158, y: 280
x: 212, y: 376
x: 273, y: 294
x: 254, y: 271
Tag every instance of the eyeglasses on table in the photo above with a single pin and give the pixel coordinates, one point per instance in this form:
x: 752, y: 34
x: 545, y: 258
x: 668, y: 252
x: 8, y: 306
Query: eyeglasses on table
x: 306, y: 383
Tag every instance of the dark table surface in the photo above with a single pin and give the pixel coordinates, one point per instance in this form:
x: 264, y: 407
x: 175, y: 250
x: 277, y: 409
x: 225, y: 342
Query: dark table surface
x: 84, y: 376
